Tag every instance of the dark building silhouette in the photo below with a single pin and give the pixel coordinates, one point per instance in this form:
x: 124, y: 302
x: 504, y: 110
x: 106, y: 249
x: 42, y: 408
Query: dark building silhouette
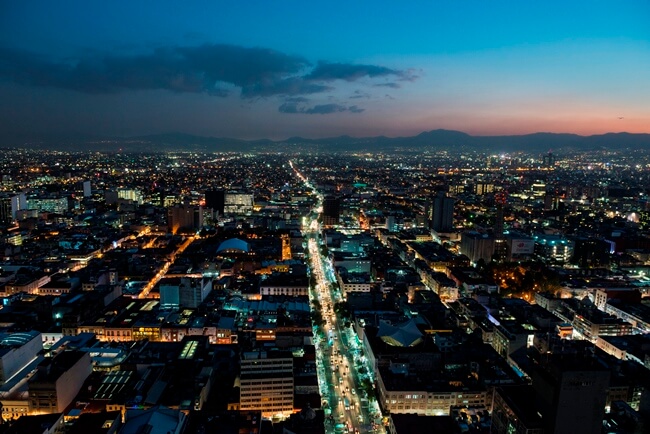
x: 331, y: 210
x: 184, y: 217
x: 500, y: 244
x: 549, y: 159
x: 571, y: 392
x: 591, y: 252
x: 216, y: 200
x: 514, y: 411
x: 5, y: 211
x: 441, y: 214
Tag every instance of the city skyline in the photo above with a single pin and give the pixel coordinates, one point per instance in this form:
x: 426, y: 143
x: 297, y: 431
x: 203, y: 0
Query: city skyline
x: 274, y: 71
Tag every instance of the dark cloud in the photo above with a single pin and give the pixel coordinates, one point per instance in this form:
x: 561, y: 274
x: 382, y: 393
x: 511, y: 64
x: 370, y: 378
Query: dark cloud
x: 325, y: 71
x: 297, y: 99
x: 359, y: 94
x: 319, y: 109
x: 214, y: 69
x: 391, y: 85
x: 257, y: 71
x: 290, y: 107
x: 324, y: 109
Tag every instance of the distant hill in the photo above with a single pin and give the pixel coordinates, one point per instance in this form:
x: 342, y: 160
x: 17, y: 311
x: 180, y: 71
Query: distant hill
x: 428, y: 140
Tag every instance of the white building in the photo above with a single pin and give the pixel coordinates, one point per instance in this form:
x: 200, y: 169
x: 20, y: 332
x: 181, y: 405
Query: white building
x: 266, y: 382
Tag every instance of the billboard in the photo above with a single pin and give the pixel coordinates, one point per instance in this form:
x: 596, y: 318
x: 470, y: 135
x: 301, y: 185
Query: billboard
x: 522, y: 246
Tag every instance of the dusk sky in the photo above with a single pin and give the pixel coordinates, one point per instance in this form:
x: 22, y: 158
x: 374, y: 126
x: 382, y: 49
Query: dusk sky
x: 275, y: 69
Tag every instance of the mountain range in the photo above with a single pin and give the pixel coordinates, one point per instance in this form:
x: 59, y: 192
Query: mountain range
x: 429, y: 140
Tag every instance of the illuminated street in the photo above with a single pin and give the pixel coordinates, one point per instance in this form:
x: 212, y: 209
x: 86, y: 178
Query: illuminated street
x: 161, y: 272
x: 339, y: 354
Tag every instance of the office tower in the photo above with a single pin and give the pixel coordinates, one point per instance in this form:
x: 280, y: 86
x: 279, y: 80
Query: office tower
x: 442, y: 213
x: 87, y: 189
x: 571, y: 392
x: 216, y: 200
x: 238, y: 203
x: 267, y: 382
x: 130, y: 194
x: 57, y: 205
x: 331, y: 210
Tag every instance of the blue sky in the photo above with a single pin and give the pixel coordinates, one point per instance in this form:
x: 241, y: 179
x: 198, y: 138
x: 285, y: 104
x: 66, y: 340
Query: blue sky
x: 283, y: 68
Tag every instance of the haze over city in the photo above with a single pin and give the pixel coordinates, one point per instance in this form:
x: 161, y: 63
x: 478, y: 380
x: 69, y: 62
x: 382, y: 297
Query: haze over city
x: 273, y: 70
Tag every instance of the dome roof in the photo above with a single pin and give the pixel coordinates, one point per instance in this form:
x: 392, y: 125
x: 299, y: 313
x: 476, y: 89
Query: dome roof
x: 234, y: 244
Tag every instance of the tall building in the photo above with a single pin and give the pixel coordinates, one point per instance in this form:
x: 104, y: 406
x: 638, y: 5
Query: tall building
x: 514, y: 412
x: 500, y: 244
x: 57, y: 381
x: 184, y: 217
x: 238, y: 203
x: 549, y: 159
x: 571, y: 392
x: 87, y: 189
x: 57, y: 205
x: 16, y: 350
x: 5, y: 211
x: 215, y: 200
x: 477, y: 246
x: 130, y: 194
x: 442, y: 213
x: 266, y: 381
x: 184, y: 292
x: 331, y: 210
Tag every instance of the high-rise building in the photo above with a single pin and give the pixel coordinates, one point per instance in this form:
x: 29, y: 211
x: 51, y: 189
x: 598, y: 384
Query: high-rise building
x: 266, y: 382
x: 549, y: 159
x: 500, y: 245
x: 130, y: 194
x: 571, y: 392
x: 442, y: 213
x: 216, y: 200
x: 513, y: 411
x: 477, y: 246
x: 238, y: 203
x: 331, y: 210
x: 184, y: 217
x: 5, y: 211
x: 57, y: 205
x: 184, y: 292
x: 87, y: 189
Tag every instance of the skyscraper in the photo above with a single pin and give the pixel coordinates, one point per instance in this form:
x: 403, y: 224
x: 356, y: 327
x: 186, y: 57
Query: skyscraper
x: 331, y: 210
x: 87, y: 189
x: 500, y: 245
x: 441, y: 216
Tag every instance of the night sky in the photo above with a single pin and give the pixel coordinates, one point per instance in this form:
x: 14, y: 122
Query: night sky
x: 275, y: 69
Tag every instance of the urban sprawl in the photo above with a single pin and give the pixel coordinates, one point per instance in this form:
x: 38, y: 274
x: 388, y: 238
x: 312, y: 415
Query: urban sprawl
x: 409, y: 292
